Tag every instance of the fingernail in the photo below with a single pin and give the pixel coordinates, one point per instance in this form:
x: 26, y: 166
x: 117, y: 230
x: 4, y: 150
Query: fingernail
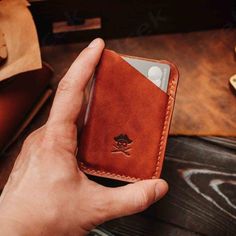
x: 161, y: 189
x: 94, y: 43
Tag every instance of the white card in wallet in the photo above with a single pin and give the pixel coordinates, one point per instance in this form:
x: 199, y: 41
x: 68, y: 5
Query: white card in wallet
x: 158, y: 73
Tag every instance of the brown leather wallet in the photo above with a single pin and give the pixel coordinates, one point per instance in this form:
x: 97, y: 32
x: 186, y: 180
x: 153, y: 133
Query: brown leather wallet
x: 125, y: 131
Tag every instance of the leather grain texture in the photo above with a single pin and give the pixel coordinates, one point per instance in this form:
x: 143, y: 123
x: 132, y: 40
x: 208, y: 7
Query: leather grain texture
x: 124, y: 136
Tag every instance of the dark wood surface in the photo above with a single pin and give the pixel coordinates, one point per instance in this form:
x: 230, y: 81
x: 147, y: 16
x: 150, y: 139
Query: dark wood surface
x: 201, y: 171
x: 202, y: 178
x: 145, y: 226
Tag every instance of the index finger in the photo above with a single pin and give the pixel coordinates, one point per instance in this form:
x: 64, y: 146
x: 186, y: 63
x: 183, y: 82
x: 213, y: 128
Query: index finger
x: 69, y: 95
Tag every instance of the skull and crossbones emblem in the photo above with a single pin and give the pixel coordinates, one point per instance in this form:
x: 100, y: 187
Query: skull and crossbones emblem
x: 122, y: 144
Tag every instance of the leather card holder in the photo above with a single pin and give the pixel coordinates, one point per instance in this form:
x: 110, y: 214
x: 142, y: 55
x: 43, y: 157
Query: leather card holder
x: 125, y: 131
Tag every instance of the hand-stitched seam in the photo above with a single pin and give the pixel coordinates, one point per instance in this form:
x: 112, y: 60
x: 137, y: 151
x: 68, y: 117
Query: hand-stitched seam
x: 162, y: 137
x: 109, y: 174
x: 169, y: 104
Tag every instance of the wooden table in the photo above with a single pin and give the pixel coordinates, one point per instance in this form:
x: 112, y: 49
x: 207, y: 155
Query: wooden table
x: 201, y: 171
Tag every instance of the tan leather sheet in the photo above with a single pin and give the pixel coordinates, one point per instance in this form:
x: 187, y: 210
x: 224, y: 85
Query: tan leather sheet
x: 20, y: 39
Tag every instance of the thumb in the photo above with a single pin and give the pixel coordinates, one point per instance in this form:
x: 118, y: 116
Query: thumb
x: 134, y: 197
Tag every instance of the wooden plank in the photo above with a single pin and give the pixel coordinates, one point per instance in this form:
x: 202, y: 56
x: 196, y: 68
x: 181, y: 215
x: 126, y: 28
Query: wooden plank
x: 202, y: 179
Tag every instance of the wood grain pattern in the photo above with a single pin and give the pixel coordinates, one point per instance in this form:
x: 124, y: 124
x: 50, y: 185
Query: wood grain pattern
x: 202, y: 178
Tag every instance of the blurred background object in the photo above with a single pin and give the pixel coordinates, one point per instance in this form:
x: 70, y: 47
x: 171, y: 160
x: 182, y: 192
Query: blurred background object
x: 21, y: 97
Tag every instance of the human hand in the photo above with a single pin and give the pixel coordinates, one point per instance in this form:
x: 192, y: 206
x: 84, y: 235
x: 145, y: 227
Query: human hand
x: 46, y: 193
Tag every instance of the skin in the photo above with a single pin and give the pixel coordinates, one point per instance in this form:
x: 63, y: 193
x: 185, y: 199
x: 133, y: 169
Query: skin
x: 46, y: 193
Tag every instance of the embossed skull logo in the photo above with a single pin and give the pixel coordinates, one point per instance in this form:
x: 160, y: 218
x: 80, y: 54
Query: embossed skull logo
x: 122, y: 144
